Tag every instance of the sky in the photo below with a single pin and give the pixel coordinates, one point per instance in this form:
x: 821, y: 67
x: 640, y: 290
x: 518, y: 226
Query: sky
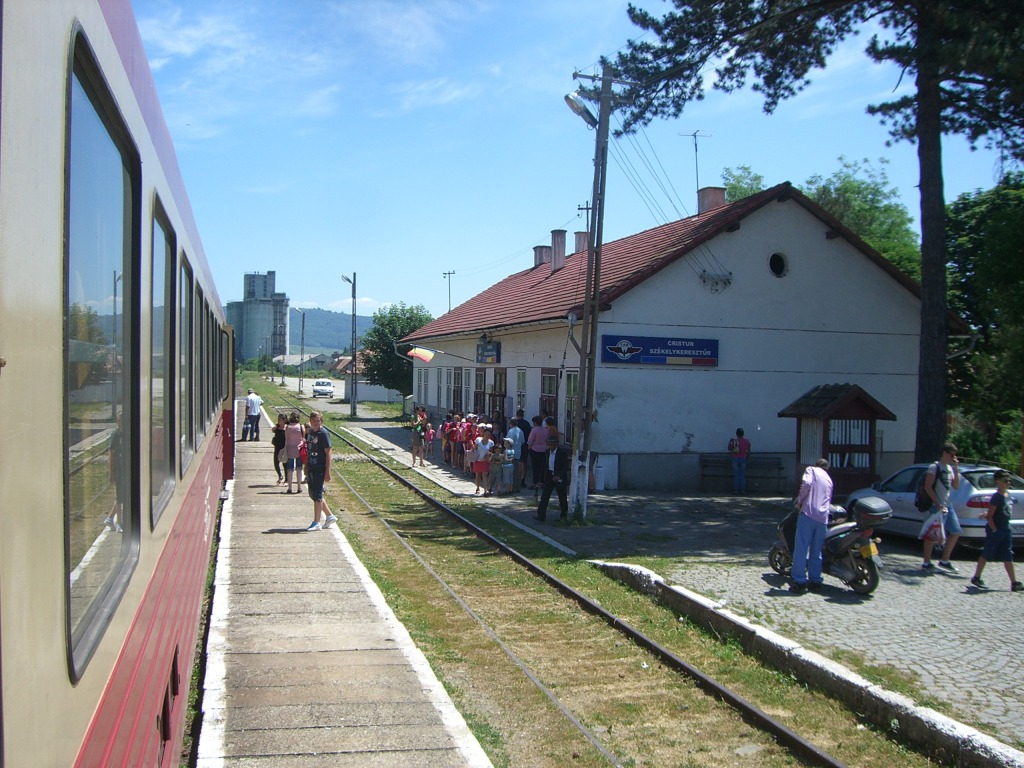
x: 425, y: 145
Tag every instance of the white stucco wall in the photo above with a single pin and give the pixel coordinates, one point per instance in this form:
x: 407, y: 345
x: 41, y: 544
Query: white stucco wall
x: 834, y: 317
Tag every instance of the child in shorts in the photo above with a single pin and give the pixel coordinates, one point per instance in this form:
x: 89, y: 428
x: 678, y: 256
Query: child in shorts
x: 998, y: 539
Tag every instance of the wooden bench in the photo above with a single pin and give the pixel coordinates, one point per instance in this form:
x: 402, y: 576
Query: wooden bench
x: 765, y: 473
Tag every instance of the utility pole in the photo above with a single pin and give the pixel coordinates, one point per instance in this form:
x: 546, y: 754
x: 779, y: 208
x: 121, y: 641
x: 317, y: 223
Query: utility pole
x: 352, y: 365
x: 302, y: 349
x: 447, y: 276
x: 591, y: 306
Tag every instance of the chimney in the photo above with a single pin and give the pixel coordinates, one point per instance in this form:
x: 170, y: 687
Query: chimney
x: 709, y: 198
x: 581, y: 242
x: 541, y: 254
x: 557, y: 249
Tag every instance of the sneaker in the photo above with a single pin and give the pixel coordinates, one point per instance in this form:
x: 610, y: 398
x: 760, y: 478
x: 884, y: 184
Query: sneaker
x: 314, y: 526
x: 927, y: 566
x: 948, y: 566
x: 331, y: 520
x: 109, y: 522
x: 1017, y: 587
x: 976, y: 581
x: 797, y: 587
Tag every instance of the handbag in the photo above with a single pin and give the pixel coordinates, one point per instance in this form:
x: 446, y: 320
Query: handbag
x: 934, y: 529
x: 303, y: 452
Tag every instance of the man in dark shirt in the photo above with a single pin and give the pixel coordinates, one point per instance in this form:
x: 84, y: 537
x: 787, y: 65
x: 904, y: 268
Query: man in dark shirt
x: 556, y: 478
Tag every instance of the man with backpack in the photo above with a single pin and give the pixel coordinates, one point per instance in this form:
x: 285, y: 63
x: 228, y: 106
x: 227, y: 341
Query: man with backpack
x: 943, y: 476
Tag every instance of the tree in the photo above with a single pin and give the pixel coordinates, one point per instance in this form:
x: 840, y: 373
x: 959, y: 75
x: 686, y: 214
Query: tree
x: 380, y: 362
x: 859, y: 195
x: 967, y: 60
x: 741, y: 182
x: 986, y: 282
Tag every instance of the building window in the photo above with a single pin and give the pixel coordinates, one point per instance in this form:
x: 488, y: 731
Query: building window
x: 499, y: 393
x: 549, y: 391
x: 480, y: 391
x: 457, y: 400
x: 101, y: 429
x: 467, y: 388
x: 778, y: 264
x: 521, y: 389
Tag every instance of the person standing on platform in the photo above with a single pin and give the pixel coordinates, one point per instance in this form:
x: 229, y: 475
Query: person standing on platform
x: 277, y: 443
x: 318, y: 471
x: 556, y: 478
x: 253, y: 403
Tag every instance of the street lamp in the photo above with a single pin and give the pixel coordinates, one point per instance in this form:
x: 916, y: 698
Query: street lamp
x: 283, y: 356
x: 302, y: 347
x: 588, y: 353
x: 352, y: 367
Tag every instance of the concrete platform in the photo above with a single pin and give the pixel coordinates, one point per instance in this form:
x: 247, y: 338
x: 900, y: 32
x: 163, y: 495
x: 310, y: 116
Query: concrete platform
x: 307, y: 665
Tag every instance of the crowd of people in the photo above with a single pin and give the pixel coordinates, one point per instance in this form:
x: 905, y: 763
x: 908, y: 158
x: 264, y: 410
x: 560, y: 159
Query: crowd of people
x: 503, y: 456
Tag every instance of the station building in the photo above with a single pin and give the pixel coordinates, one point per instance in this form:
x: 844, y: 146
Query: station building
x: 765, y: 314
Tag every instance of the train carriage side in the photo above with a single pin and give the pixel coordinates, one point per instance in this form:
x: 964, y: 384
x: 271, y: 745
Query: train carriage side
x: 116, y: 383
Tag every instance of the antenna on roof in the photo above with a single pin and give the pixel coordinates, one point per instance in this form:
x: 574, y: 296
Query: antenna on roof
x: 696, y: 168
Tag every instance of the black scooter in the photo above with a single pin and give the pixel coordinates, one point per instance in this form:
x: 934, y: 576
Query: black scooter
x: 849, y: 553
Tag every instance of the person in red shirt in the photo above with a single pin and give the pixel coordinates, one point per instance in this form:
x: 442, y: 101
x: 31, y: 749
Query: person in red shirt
x: 739, y: 447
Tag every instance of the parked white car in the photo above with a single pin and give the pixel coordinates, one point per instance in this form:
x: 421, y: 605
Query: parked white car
x: 970, y: 501
x: 323, y: 387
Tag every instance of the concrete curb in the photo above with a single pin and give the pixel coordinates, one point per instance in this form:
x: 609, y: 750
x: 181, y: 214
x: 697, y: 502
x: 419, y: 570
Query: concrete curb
x: 942, y: 737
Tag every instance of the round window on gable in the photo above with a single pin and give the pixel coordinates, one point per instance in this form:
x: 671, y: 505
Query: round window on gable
x: 778, y: 264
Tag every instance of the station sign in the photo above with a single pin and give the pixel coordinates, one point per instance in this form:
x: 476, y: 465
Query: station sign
x: 657, y: 350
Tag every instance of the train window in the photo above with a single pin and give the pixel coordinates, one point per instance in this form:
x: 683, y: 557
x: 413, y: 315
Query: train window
x: 187, y: 430
x: 100, y: 295
x: 161, y: 374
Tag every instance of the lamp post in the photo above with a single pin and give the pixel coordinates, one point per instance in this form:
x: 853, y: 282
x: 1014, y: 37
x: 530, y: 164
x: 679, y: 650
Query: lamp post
x: 352, y: 366
x: 284, y: 355
x: 302, y: 348
x: 270, y: 354
x: 588, y: 329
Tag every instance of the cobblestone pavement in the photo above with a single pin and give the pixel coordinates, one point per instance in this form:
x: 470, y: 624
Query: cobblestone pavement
x: 963, y: 646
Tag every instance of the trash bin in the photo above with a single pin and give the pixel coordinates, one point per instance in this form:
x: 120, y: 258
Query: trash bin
x: 598, y: 478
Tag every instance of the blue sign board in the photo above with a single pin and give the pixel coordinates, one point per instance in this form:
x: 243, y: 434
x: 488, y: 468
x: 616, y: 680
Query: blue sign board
x: 488, y: 353
x: 655, y: 350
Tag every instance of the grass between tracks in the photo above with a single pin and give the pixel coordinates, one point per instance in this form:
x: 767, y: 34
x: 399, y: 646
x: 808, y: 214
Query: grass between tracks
x: 645, y: 714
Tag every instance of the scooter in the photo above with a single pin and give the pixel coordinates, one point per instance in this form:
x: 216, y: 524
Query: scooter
x: 849, y: 552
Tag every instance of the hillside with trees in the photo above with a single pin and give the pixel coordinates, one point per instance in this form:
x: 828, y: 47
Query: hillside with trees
x: 326, y: 331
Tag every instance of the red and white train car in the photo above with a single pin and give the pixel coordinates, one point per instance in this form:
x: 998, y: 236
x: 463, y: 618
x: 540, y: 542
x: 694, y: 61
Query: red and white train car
x: 116, y: 385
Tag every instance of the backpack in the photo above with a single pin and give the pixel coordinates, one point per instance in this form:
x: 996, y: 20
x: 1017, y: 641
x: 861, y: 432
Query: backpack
x: 922, y: 500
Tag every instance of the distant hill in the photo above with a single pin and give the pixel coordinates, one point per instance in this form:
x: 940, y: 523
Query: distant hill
x: 325, y: 330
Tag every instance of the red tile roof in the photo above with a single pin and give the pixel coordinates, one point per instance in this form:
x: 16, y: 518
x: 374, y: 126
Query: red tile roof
x: 537, y: 295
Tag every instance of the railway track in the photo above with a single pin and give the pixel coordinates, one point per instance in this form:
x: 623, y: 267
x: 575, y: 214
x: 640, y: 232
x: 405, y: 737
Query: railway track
x: 415, y: 526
